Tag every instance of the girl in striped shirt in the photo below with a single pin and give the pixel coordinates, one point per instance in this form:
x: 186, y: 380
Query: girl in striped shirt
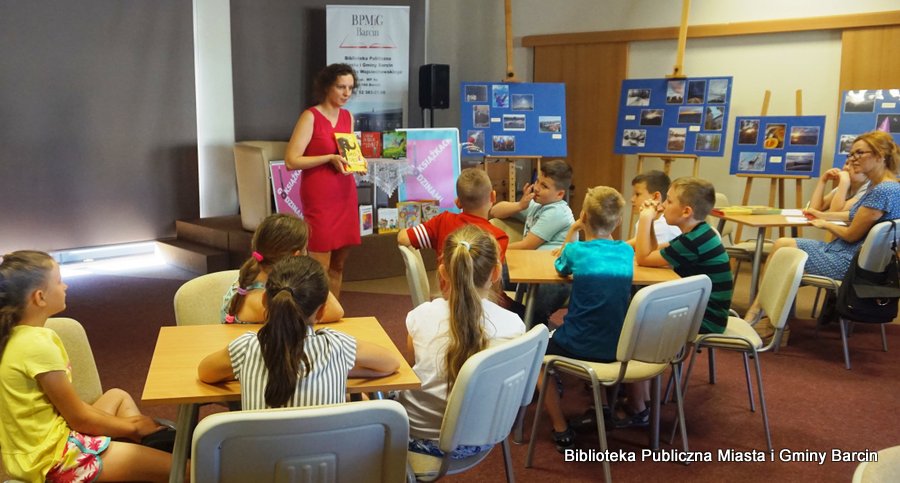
x: 319, y: 361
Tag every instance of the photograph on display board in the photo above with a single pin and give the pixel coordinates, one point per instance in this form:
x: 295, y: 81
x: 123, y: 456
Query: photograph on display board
x: 863, y: 111
x: 675, y: 92
x: 748, y: 131
x: 476, y: 94
x: 778, y: 145
x: 673, y: 115
x: 522, y: 102
x: 714, y: 117
x: 550, y: 123
x: 690, y: 115
x: 500, y: 96
x: 652, y: 117
x: 520, y: 118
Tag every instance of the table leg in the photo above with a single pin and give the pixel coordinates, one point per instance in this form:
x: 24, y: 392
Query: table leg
x: 757, y: 261
x: 529, y: 305
x: 184, y: 429
x: 721, y: 227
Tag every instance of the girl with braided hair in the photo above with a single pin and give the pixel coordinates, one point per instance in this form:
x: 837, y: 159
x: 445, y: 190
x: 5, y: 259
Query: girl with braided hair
x: 288, y: 363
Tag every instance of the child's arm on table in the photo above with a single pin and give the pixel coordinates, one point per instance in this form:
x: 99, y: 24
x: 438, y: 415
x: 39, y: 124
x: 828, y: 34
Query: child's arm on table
x: 646, y: 250
x: 216, y: 367
x: 84, y: 418
x: 373, y: 360
x: 333, y: 311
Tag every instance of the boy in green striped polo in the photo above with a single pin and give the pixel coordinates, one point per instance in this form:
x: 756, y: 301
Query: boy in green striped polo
x: 698, y: 250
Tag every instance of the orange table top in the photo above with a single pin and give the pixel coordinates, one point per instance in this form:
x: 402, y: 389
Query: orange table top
x: 536, y: 266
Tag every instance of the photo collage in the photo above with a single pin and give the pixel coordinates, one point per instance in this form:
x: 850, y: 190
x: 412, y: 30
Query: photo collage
x: 685, y: 116
x: 522, y: 119
x: 863, y: 111
x: 777, y: 145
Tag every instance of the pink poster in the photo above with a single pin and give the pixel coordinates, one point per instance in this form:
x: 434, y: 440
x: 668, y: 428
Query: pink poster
x: 434, y: 156
x: 286, y: 189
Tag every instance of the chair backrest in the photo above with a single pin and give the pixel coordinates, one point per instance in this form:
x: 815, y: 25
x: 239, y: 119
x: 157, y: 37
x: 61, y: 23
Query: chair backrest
x: 489, y: 390
x: 199, y: 300
x: 876, y: 249
x: 662, y: 318
x: 352, y: 442
x: 728, y: 228
x: 780, y: 283
x: 85, y: 377
x: 416, y: 276
x: 251, y: 165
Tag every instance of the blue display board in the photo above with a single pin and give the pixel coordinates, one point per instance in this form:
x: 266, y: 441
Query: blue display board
x: 864, y: 111
x: 679, y: 116
x: 779, y: 145
x: 515, y: 119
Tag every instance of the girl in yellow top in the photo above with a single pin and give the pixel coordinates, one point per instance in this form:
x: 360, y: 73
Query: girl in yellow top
x: 46, y: 432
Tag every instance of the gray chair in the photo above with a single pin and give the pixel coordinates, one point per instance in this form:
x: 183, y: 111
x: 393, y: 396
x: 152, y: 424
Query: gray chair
x: 776, y: 295
x: 199, y: 300
x: 251, y: 166
x: 492, y: 386
x: 352, y: 442
x: 661, y: 320
x: 416, y: 276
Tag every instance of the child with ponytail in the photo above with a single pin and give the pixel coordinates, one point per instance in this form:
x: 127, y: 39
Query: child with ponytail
x: 445, y: 332
x: 277, y: 237
x: 288, y: 363
x: 46, y: 432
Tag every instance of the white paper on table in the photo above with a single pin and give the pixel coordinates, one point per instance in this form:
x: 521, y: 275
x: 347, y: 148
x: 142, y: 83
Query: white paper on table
x: 792, y: 212
x: 796, y: 219
x: 837, y: 222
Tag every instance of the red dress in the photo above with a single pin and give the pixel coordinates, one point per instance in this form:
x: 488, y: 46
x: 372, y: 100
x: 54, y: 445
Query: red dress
x: 328, y: 197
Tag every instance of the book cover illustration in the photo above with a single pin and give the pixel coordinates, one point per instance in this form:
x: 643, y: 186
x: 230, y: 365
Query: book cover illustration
x: 366, y: 222
x: 409, y: 214
x: 348, y: 145
x: 430, y: 209
x: 394, y: 143
x: 370, y: 144
x: 387, y: 220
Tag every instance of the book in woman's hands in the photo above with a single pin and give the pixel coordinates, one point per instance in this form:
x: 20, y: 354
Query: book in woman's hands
x: 349, y: 148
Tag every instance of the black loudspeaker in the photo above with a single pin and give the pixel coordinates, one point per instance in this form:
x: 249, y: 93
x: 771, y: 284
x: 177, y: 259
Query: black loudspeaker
x: 434, y: 86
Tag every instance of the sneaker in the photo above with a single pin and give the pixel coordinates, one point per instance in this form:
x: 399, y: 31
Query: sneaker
x: 564, y: 440
x: 639, y: 420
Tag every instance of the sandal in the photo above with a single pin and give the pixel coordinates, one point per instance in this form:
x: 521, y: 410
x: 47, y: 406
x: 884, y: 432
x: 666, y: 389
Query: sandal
x: 564, y: 440
x: 588, y: 420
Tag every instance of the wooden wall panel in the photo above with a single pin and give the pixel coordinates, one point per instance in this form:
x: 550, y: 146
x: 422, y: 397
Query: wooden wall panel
x: 593, y: 76
x: 869, y: 58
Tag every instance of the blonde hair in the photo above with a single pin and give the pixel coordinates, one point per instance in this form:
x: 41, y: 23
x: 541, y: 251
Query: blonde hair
x: 603, y: 206
x: 470, y: 256
x: 884, y: 146
x: 473, y: 188
x: 697, y: 193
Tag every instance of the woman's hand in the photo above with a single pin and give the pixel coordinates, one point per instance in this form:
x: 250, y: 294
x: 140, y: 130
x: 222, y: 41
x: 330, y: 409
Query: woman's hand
x: 818, y: 222
x: 339, y: 163
x: 814, y: 213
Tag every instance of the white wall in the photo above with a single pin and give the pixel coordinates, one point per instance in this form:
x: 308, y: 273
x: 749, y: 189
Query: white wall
x: 460, y: 34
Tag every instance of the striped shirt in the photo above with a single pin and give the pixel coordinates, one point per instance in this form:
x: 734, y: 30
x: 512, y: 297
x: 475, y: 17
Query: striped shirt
x: 331, y: 355
x: 700, y: 252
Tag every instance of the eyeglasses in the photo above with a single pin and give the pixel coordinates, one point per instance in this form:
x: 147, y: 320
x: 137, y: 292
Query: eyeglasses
x: 858, y: 154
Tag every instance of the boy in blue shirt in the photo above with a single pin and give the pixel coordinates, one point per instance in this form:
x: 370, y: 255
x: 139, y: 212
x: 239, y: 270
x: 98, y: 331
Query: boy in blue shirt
x: 547, y: 218
x: 602, y: 270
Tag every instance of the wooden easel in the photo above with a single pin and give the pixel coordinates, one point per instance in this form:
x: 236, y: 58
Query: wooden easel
x: 510, y: 173
x: 776, y: 181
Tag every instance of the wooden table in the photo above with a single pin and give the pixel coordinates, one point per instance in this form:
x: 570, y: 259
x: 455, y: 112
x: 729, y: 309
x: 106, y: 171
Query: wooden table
x: 536, y: 267
x: 172, y: 378
x: 761, y: 223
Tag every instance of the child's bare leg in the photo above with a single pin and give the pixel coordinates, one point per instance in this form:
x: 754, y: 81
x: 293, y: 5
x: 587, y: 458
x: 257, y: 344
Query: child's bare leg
x: 551, y: 405
x: 118, y: 403
x: 638, y: 393
x: 133, y: 462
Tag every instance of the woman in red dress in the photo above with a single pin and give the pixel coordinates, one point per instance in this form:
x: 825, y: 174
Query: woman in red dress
x: 327, y: 189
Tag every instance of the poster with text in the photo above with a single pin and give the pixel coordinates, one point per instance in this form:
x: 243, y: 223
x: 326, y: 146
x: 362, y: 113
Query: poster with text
x: 374, y: 40
x: 679, y: 116
x: 863, y: 111
x: 777, y: 145
x: 434, y: 156
x: 515, y: 119
x: 286, y: 189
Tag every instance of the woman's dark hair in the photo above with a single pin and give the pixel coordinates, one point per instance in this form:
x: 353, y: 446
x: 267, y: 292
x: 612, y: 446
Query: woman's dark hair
x: 328, y: 76
x: 277, y: 237
x: 296, y: 288
x: 21, y: 273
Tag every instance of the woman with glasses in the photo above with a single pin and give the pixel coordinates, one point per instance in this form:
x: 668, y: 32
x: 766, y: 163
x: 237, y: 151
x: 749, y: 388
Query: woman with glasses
x: 875, y: 155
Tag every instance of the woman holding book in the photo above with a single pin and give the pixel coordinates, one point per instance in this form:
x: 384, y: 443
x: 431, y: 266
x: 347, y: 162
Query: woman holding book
x: 327, y: 190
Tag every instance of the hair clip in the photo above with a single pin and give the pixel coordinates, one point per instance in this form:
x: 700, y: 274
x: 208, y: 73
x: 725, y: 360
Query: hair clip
x: 229, y: 319
x: 241, y: 291
x: 466, y: 244
x: 258, y: 256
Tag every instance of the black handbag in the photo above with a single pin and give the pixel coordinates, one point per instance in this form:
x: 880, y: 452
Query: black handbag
x: 867, y: 296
